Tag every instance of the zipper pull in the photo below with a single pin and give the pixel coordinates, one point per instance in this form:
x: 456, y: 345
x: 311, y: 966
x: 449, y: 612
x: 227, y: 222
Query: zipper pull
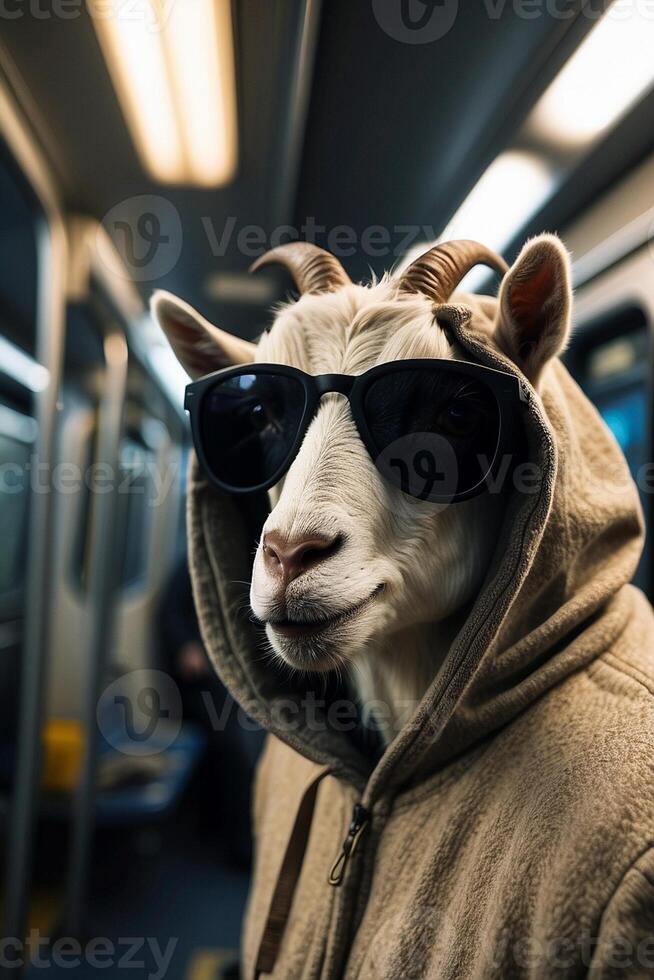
x: 360, y: 817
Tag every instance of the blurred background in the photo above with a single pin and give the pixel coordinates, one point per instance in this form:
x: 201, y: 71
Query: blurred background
x: 166, y: 144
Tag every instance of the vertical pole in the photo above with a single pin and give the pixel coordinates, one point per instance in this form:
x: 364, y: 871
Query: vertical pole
x: 300, y: 79
x: 102, y: 590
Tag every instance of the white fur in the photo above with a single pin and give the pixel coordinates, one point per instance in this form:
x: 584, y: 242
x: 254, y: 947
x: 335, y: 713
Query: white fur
x: 429, y: 559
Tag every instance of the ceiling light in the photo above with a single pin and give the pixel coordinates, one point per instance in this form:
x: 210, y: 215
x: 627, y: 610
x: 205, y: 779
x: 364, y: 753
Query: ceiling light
x: 507, y: 194
x: 15, y: 425
x: 241, y: 287
x: 151, y: 345
x: 22, y: 368
x: 504, y: 198
x: 607, y: 74
x: 172, y: 65
x: 170, y: 372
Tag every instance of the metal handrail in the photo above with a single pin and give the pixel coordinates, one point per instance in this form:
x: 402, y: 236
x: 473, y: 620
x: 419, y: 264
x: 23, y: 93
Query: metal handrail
x: 102, y: 591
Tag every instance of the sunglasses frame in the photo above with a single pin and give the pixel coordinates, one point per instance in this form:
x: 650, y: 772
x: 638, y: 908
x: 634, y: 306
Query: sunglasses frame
x: 507, y: 389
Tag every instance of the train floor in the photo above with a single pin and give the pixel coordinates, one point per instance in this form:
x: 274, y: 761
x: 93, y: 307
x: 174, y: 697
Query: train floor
x: 165, y: 901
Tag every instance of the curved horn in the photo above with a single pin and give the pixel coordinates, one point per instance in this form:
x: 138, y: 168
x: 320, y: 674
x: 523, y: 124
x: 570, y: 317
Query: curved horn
x: 313, y: 269
x: 439, y: 271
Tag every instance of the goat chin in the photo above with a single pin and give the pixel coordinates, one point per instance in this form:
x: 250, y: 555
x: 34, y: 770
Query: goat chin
x: 388, y: 686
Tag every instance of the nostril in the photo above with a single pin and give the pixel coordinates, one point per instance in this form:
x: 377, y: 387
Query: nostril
x: 323, y: 551
x: 269, y: 552
x: 293, y: 557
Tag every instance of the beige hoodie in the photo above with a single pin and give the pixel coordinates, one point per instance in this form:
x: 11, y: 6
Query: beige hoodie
x: 508, y: 830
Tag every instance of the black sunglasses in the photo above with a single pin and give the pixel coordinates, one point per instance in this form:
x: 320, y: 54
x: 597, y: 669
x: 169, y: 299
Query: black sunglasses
x: 436, y: 429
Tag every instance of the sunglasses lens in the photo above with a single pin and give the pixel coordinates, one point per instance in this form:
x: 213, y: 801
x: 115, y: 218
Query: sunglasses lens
x: 248, y: 426
x: 436, y: 432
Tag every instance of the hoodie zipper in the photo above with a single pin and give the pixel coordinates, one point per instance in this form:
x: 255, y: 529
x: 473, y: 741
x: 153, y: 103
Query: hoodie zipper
x: 360, y: 818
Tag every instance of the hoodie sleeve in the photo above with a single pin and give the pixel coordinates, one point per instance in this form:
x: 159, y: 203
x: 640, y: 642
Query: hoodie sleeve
x: 625, y: 945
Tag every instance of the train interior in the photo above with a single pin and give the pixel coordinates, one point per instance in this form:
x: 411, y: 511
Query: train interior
x: 346, y: 125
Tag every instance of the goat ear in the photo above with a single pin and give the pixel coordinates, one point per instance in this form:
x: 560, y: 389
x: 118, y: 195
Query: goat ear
x: 534, y: 306
x: 199, y: 346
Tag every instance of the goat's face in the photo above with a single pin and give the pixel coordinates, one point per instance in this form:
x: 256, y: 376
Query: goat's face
x: 342, y: 546
x: 344, y: 558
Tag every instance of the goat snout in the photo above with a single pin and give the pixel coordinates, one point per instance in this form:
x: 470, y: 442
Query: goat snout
x: 288, y: 558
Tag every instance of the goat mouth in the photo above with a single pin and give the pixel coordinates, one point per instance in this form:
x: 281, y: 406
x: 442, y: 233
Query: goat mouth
x: 294, y: 628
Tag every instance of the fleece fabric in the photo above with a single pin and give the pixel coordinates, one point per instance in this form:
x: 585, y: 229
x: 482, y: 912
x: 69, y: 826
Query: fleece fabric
x: 510, y: 828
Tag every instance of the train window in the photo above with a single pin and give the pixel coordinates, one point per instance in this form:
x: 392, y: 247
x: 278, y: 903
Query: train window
x: 19, y: 374
x: 83, y: 364
x: 611, y: 361
x: 18, y: 257
x: 82, y: 540
x: 134, y: 512
x: 17, y: 433
x: 21, y: 378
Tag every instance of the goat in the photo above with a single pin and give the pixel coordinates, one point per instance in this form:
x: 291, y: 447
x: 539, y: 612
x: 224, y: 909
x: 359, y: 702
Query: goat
x: 391, y: 573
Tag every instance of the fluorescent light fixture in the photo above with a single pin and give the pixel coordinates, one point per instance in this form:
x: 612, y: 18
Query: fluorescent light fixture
x: 172, y: 65
x: 169, y: 371
x: 611, y: 69
x: 507, y: 194
x: 241, y: 287
x: 149, y: 342
x: 16, y: 426
x: 22, y: 368
x: 515, y: 185
x: 607, y: 74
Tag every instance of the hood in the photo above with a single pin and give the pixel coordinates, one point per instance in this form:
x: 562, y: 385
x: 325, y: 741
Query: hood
x: 553, y: 599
